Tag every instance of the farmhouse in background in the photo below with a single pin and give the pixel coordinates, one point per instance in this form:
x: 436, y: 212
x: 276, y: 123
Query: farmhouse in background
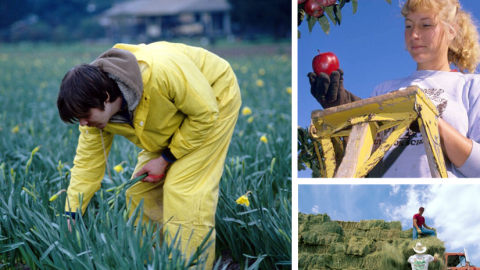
x: 147, y: 20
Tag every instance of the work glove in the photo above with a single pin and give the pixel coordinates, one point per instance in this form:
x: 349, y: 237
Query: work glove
x: 419, y: 231
x: 414, y: 127
x: 329, y: 91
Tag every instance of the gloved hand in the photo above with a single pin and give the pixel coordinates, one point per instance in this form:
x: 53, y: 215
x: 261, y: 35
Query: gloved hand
x: 414, y: 127
x: 419, y: 231
x: 329, y: 91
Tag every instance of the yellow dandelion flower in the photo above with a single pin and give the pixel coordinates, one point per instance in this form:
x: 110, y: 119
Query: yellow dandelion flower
x: 244, y: 69
x: 16, y: 129
x: 259, y: 83
x: 55, y: 196
x: 244, y: 199
x: 289, y: 90
x: 250, y: 119
x: 261, y: 71
x: 240, y: 134
x: 264, y: 139
x: 246, y: 111
x: 119, y: 167
x: 35, y: 150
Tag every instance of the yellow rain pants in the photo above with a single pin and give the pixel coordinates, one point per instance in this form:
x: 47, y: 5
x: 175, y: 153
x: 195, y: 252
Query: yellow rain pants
x: 189, y: 194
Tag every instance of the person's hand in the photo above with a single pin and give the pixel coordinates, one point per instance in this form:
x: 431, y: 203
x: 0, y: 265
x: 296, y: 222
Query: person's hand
x: 155, y: 168
x: 419, y: 231
x: 329, y: 91
x: 414, y: 126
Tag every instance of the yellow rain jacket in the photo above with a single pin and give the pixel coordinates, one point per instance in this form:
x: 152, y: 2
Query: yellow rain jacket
x: 182, y: 98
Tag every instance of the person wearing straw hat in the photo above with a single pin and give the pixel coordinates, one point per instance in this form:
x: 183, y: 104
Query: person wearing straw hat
x: 419, y: 225
x: 420, y: 260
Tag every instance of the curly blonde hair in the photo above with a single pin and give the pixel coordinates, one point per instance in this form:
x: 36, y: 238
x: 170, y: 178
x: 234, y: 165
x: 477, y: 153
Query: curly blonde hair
x: 464, y: 50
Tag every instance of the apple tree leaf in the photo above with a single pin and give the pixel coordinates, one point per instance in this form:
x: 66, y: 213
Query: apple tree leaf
x: 311, y: 23
x: 342, y: 3
x: 338, y: 14
x: 329, y: 11
x: 299, y: 34
x: 354, y: 5
x: 389, y: 1
x: 324, y: 24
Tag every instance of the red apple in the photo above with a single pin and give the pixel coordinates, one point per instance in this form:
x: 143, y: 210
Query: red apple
x: 326, y: 3
x: 301, y: 1
x: 313, y: 9
x: 325, y: 62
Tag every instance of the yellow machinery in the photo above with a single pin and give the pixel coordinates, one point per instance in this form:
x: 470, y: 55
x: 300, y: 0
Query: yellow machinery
x: 355, y: 125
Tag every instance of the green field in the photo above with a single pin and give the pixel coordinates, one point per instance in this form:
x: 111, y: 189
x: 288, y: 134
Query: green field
x: 33, y: 230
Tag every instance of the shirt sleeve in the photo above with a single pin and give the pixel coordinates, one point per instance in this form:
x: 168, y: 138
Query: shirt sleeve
x: 429, y: 258
x: 375, y: 91
x: 470, y: 168
x: 410, y: 259
x: 88, y: 169
x: 193, y: 95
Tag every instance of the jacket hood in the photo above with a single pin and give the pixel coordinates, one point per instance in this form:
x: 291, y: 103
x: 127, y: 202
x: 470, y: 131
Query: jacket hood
x: 122, y: 66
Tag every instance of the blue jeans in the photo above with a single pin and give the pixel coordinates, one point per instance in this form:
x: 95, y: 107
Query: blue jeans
x: 425, y: 232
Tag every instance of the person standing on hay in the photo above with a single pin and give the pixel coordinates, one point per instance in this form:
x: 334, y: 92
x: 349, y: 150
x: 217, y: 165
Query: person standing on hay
x: 180, y: 105
x: 419, y: 225
x: 420, y: 261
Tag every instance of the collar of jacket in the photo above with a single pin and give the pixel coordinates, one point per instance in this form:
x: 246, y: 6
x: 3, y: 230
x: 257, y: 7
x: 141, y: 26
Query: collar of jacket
x: 122, y: 66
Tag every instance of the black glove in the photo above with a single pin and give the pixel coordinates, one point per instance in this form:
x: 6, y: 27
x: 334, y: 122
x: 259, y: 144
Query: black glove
x: 414, y: 127
x: 329, y: 91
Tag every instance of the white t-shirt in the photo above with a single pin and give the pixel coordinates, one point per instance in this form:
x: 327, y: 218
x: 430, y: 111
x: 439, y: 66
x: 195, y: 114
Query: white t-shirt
x: 420, y: 261
x: 457, y: 98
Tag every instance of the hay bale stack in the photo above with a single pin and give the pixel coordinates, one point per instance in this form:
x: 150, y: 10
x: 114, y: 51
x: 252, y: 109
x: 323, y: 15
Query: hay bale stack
x: 368, y: 244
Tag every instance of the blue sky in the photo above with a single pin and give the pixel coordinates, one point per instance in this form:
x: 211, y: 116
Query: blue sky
x: 369, y: 45
x: 451, y: 209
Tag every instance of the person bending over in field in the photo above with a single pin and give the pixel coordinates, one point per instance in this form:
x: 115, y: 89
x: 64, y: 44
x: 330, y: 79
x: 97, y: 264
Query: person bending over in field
x: 180, y: 105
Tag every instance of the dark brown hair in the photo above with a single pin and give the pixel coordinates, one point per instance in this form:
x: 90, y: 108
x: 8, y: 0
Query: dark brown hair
x: 84, y: 87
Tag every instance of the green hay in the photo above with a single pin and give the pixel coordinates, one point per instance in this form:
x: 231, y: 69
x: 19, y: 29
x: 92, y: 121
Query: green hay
x: 383, y: 234
x: 341, y: 261
x: 392, y: 257
x: 312, y: 222
x: 359, y: 246
x: 314, y: 238
x: 337, y: 248
x: 369, y: 244
x: 370, y: 224
x: 373, y: 261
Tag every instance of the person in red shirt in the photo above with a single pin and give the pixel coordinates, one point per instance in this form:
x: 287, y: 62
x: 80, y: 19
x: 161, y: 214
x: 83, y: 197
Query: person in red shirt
x: 419, y: 225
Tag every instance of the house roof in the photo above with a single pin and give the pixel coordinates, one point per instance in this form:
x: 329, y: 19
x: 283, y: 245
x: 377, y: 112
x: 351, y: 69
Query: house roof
x: 165, y: 7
